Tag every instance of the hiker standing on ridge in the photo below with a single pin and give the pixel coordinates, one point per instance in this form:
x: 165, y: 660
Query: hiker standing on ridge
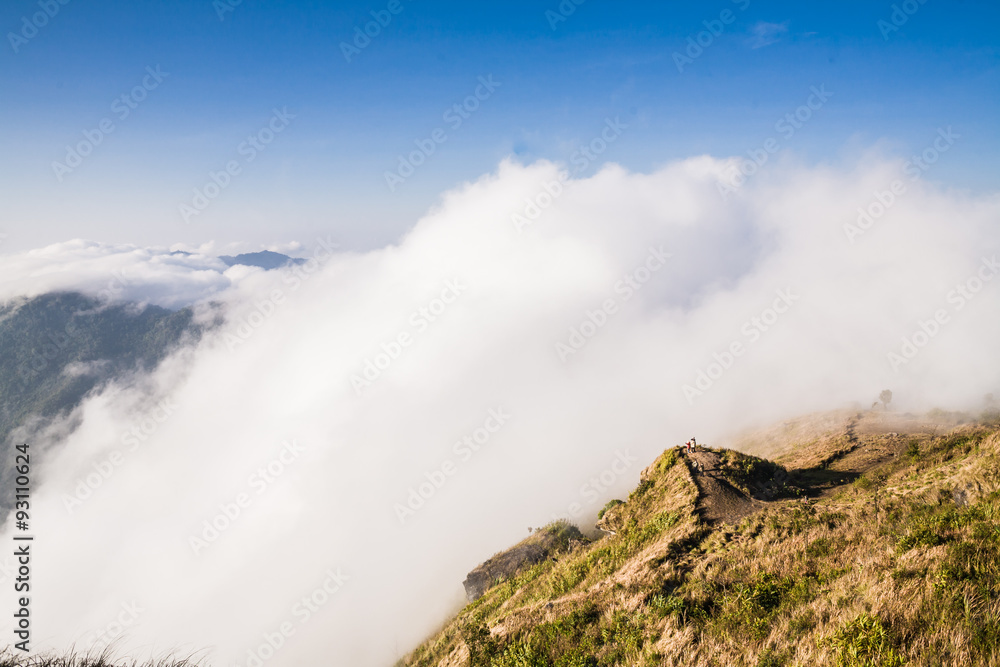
x: 694, y: 445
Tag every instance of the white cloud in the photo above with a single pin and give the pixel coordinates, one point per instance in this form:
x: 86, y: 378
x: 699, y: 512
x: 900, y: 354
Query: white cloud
x: 765, y: 33
x: 492, y: 346
x: 114, y: 273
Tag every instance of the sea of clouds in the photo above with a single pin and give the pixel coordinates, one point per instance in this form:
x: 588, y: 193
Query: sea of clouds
x: 310, y: 484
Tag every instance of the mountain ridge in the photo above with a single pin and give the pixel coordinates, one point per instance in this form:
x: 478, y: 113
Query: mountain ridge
x: 860, y: 545
x: 265, y: 259
x: 58, y: 348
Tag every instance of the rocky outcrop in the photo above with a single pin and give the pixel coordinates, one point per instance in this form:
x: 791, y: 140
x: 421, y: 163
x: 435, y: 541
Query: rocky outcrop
x: 544, y: 544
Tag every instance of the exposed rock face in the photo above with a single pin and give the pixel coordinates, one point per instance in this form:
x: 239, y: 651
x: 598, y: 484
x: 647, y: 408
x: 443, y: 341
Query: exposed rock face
x: 502, y: 566
x: 506, y: 564
x: 611, y: 519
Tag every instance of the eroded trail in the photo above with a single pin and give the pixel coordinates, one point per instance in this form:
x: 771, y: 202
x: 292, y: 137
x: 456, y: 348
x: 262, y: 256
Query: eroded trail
x: 718, y: 500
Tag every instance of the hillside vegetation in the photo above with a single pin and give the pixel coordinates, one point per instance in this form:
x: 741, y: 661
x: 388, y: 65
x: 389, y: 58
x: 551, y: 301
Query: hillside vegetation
x: 57, y: 348
x: 870, y: 540
x: 102, y: 659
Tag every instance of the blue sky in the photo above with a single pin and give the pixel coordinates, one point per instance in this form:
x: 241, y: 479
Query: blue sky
x: 324, y: 172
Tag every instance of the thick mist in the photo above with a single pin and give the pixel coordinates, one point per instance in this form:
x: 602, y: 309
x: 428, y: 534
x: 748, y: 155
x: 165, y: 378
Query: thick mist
x: 366, y: 428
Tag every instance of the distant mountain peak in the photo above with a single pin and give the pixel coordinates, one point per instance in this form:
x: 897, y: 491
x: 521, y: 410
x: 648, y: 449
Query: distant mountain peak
x: 265, y: 259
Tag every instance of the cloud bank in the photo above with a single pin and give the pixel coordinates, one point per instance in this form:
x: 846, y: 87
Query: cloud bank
x: 117, y: 273
x: 313, y: 481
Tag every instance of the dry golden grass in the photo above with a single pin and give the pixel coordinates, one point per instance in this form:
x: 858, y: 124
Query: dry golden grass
x: 895, y: 559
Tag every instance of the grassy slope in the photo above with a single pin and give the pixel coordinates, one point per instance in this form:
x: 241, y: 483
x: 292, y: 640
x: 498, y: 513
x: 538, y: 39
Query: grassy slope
x: 10, y: 658
x: 894, y: 558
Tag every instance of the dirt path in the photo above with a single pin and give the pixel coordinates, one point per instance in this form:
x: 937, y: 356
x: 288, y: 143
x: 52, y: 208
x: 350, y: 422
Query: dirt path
x: 718, y: 500
x: 852, y: 443
x: 865, y: 445
x: 834, y: 457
